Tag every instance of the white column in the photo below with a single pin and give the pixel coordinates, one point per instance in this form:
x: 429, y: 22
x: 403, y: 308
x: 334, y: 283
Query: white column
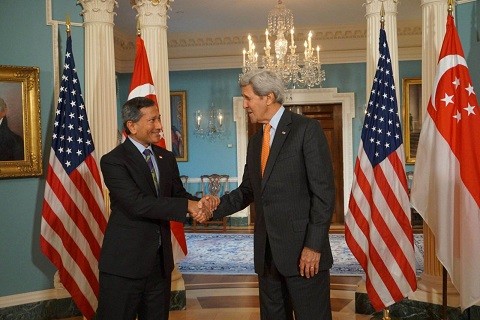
x: 434, y: 20
x: 100, y: 86
x: 373, y: 8
x: 152, y: 17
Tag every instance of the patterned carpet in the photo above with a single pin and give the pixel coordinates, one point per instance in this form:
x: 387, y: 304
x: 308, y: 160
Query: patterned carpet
x: 211, y: 253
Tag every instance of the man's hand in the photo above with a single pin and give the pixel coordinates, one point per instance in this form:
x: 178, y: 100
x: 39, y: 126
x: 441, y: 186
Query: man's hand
x: 309, y: 262
x: 202, y: 210
x: 210, y: 203
x: 197, y: 211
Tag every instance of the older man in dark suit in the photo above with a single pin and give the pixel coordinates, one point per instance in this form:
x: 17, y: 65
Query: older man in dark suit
x: 289, y: 176
x: 136, y: 259
x: 11, y: 144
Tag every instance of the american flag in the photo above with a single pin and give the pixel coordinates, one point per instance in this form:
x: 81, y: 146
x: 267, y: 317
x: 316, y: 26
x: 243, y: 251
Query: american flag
x: 446, y: 188
x: 377, y: 224
x: 73, y: 215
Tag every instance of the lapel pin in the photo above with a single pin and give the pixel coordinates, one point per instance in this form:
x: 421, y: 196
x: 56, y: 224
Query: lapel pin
x: 283, y: 132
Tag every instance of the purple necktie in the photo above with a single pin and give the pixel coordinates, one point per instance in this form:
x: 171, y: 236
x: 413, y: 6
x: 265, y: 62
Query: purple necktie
x: 148, y: 158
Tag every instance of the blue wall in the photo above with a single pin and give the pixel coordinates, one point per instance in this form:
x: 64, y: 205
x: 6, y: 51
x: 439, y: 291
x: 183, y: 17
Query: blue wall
x: 468, y: 26
x: 219, y: 86
x: 23, y: 267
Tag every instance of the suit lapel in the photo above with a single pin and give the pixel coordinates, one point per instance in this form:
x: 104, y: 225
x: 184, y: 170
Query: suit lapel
x: 138, y: 161
x: 281, y: 134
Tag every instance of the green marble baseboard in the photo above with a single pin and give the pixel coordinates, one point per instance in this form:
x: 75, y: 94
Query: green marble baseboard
x: 178, y: 300
x: 42, y: 310
x: 414, y: 310
x: 66, y: 308
x: 238, y: 221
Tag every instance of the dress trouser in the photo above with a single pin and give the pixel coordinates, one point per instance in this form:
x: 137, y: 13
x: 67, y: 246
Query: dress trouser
x: 124, y: 298
x: 282, y: 297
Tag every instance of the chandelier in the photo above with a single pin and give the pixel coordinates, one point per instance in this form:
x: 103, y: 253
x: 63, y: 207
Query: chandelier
x: 286, y: 62
x: 211, y: 126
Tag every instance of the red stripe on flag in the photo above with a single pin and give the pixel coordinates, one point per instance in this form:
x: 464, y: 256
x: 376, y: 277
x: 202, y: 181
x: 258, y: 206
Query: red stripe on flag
x: 85, y: 188
x: 72, y: 211
x: 67, y: 280
x: 382, y: 228
x: 70, y: 246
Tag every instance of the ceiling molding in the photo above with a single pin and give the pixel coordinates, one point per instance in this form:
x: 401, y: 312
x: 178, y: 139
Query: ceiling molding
x: 345, y: 44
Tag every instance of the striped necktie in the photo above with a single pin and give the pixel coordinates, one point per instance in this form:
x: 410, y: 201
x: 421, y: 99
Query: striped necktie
x: 265, y: 146
x: 148, y: 158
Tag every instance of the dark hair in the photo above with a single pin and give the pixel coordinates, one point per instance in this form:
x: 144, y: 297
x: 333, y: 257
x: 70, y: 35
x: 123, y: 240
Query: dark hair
x: 131, y: 110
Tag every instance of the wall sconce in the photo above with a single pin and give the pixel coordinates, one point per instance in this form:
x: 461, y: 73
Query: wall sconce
x: 210, y: 127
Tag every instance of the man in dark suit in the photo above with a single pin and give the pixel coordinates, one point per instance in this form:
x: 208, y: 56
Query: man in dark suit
x: 294, y: 201
x: 143, y: 179
x: 11, y: 144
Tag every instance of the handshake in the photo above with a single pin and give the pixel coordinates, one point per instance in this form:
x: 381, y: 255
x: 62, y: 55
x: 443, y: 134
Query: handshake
x: 202, y: 210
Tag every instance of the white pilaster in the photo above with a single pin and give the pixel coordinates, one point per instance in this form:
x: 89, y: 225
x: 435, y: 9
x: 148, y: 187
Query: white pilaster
x: 152, y: 17
x: 434, y: 20
x: 100, y: 89
x: 373, y: 8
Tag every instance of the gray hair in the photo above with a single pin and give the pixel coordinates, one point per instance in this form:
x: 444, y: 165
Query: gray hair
x: 3, y: 105
x: 263, y: 82
x: 131, y: 110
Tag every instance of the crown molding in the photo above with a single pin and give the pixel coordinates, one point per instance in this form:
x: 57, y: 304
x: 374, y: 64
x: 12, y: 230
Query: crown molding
x: 200, y: 51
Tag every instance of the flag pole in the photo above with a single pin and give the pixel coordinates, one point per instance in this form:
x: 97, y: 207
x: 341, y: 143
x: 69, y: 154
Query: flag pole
x: 68, y: 24
x: 444, y: 293
x: 386, y: 311
x: 384, y: 316
x: 139, y: 32
x: 444, y: 271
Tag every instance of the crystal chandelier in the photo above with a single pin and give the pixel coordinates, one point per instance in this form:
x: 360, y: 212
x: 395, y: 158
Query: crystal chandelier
x: 288, y: 65
x: 210, y: 127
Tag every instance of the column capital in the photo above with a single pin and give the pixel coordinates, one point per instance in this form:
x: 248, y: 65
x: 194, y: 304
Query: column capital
x: 152, y: 13
x: 98, y: 10
x: 372, y: 7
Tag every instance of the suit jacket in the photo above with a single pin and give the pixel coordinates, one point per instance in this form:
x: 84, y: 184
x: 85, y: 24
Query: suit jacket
x: 138, y: 215
x: 294, y: 200
x: 11, y: 144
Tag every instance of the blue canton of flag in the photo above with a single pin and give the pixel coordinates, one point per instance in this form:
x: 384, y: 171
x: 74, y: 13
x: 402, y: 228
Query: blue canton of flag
x: 72, y: 139
x: 382, y: 134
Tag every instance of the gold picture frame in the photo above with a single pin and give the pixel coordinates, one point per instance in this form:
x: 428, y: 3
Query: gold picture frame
x: 412, y: 116
x: 20, y: 152
x: 178, y: 112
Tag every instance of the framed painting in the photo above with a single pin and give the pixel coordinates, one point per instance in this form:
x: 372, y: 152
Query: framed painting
x: 20, y: 129
x: 412, y: 116
x: 178, y: 112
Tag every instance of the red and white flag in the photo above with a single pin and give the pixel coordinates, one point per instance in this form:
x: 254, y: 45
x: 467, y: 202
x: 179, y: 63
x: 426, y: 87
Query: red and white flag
x: 142, y: 86
x: 73, y: 214
x: 446, y: 182
x: 377, y: 224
